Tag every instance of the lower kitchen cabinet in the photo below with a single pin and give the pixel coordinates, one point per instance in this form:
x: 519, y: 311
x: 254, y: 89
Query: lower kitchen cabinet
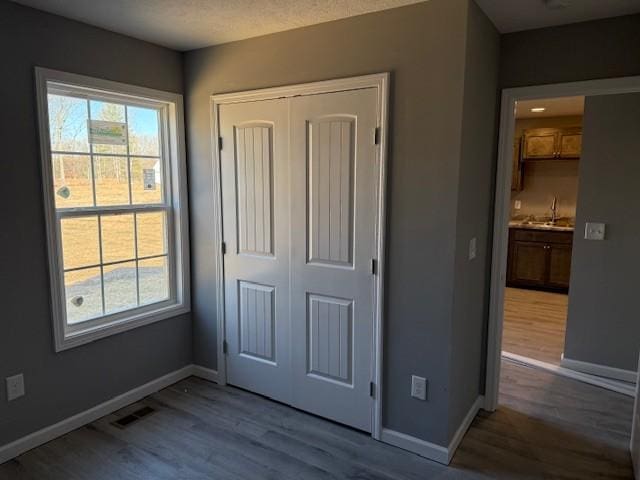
x: 539, y: 259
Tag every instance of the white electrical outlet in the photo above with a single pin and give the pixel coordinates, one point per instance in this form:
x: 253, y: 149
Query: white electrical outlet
x: 518, y: 204
x: 418, y: 387
x: 15, y: 387
x: 473, y: 248
x: 594, y: 231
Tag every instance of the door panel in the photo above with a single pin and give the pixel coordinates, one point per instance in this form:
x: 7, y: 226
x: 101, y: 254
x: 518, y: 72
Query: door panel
x: 257, y: 321
x: 330, y: 190
x: 255, y: 200
x: 330, y: 335
x: 254, y: 165
x: 333, y: 167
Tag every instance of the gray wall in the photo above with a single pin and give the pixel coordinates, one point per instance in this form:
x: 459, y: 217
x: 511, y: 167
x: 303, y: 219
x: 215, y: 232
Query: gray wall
x: 63, y: 384
x: 474, y: 214
x: 604, y: 325
x: 582, y: 51
x: 424, y: 46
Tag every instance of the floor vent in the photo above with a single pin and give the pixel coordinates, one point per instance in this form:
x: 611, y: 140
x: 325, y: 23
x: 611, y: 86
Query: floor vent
x: 127, y: 420
x: 143, y: 412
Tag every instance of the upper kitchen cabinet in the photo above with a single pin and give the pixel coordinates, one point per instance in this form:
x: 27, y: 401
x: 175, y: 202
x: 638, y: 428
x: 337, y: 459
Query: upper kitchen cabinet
x: 570, y: 142
x: 540, y: 143
x: 552, y: 143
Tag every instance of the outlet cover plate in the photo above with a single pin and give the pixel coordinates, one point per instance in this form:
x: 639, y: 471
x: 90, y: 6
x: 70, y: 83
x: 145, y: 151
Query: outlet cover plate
x: 418, y: 387
x: 15, y: 387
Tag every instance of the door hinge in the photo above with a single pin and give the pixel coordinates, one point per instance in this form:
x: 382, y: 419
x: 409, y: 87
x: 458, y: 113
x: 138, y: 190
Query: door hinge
x: 225, y: 347
x: 224, y: 248
x: 376, y: 136
x: 219, y: 143
x: 374, y: 266
x: 372, y: 389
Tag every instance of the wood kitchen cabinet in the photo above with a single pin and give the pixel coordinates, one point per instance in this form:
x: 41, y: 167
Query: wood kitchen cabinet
x: 540, y: 143
x: 552, y: 143
x: 570, y: 142
x: 539, y: 259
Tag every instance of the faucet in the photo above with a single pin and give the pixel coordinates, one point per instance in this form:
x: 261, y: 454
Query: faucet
x: 554, y: 210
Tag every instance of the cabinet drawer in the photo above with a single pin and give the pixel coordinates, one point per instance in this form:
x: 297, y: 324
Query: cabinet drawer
x: 529, y: 235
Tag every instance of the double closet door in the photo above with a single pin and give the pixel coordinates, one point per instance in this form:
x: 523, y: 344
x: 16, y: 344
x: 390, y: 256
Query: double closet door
x: 299, y: 190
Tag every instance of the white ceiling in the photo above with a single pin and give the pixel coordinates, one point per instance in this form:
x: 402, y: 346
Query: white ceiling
x: 554, y: 107
x: 516, y: 15
x: 189, y: 24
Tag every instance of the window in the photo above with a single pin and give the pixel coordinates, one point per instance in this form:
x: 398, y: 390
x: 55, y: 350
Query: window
x: 113, y: 174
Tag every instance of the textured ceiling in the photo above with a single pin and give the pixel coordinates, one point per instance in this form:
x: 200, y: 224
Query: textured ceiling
x: 516, y: 15
x: 189, y: 24
x: 554, y: 107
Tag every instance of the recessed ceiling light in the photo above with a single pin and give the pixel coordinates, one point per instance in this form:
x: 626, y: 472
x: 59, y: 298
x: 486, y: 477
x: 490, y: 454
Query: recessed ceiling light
x: 538, y: 109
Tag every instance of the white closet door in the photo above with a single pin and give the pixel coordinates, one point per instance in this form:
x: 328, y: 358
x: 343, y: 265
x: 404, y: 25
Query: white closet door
x: 255, y: 190
x: 333, y: 210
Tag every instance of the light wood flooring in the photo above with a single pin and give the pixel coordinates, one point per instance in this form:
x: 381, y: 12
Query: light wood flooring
x: 546, y: 427
x: 534, y: 324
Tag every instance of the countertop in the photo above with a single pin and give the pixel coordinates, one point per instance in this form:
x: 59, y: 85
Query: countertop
x: 538, y: 226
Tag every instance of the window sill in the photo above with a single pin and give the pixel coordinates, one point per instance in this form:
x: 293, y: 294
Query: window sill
x: 77, y: 338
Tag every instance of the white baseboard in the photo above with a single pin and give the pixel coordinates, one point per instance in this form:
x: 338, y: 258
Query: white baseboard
x: 423, y: 448
x: 464, y: 426
x: 35, y: 439
x: 429, y: 450
x: 628, y: 376
x: 609, y: 384
x: 205, y: 373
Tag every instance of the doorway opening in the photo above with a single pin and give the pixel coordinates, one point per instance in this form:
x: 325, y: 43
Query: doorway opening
x: 547, y: 146
x: 614, y: 364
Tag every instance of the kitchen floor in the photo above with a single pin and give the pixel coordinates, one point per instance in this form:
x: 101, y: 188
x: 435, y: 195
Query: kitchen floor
x: 534, y: 324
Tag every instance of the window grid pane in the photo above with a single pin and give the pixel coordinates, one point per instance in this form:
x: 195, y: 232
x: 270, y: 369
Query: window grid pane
x: 120, y: 285
x: 83, y: 295
x: 133, y: 245
x: 115, y: 248
x: 72, y: 182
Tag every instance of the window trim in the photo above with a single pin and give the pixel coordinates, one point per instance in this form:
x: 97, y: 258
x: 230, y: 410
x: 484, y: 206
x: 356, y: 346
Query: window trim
x: 172, y: 133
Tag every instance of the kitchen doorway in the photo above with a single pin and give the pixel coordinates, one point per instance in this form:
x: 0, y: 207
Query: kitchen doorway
x: 552, y: 275
x: 547, y: 146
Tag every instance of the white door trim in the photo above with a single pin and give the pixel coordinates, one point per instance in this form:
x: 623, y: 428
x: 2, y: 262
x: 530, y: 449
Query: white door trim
x: 503, y: 198
x: 379, y: 81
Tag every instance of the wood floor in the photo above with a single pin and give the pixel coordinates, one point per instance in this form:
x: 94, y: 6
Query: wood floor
x: 546, y: 427
x: 534, y: 324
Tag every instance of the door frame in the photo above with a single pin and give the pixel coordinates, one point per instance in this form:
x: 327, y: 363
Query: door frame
x: 379, y: 81
x: 502, y: 207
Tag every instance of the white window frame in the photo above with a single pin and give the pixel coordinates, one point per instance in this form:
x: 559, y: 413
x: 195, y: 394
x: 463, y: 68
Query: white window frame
x: 175, y: 190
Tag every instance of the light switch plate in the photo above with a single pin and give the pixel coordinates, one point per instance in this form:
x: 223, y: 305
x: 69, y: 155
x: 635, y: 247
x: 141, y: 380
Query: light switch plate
x: 473, y: 246
x: 418, y: 387
x: 518, y: 204
x: 15, y: 387
x: 594, y: 231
